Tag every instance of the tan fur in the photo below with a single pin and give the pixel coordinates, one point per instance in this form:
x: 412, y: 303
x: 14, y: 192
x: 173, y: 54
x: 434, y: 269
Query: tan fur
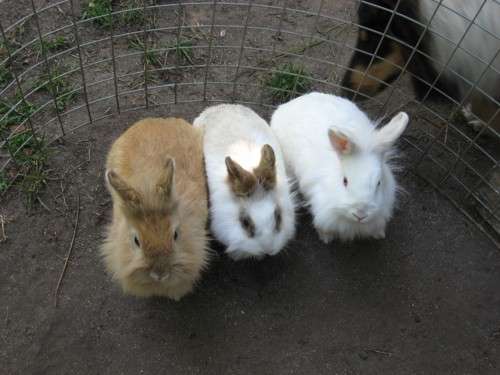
x: 382, y: 71
x: 161, y: 162
x: 266, y: 170
x: 242, y: 182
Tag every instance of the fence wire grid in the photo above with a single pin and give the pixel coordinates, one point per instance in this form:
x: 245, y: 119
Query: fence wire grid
x: 65, y: 65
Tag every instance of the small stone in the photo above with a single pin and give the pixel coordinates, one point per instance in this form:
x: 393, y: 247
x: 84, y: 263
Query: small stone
x: 363, y: 355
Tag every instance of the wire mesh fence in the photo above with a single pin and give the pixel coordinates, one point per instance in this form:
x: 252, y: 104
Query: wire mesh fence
x: 65, y: 65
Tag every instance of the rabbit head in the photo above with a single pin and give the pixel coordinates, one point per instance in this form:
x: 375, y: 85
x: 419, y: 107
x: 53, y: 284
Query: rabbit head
x: 262, y: 216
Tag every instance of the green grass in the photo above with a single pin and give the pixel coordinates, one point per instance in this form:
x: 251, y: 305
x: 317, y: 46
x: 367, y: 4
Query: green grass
x: 133, y: 16
x: 184, y: 51
x: 57, y: 86
x: 54, y: 45
x: 30, y: 154
x: 290, y: 81
x: 5, y: 75
x: 152, y: 58
x: 99, y: 8
x: 18, y: 115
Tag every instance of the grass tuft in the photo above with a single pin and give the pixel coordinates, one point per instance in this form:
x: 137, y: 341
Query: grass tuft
x: 5, y: 75
x: 55, y: 84
x: 101, y: 9
x: 291, y: 81
x: 24, y: 110
x: 54, y: 45
x: 184, y: 51
x: 134, y: 14
x: 29, y: 152
x: 151, y: 58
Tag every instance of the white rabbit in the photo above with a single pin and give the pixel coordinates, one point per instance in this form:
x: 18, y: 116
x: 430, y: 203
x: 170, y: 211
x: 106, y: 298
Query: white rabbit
x: 251, y: 205
x: 341, y: 163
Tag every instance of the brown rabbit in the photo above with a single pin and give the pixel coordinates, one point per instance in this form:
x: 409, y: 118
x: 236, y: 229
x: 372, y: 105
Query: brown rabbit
x: 157, y: 243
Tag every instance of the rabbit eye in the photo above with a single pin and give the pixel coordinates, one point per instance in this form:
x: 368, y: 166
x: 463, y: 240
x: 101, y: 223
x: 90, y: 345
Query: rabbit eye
x: 345, y: 181
x: 136, y: 241
x: 378, y: 184
x: 176, y: 235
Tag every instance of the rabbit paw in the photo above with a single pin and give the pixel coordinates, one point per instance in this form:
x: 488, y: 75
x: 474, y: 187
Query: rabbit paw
x: 325, y: 236
x: 380, y: 235
x: 180, y: 291
x: 472, y: 121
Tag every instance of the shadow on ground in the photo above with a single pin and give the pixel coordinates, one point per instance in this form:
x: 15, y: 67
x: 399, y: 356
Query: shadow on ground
x: 424, y: 301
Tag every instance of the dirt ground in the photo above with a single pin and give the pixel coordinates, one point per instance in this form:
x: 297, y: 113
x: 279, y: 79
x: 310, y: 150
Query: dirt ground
x: 423, y: 301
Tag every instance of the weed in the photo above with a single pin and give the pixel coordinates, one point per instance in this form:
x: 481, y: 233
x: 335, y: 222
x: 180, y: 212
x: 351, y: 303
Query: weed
x: 151, y: 57
x: 55, y: 84
x: 101, y: 9
x: 22, y: 112
x: 5, y: 75
x: 53, y: 45
x: 134, y: 14
x: 30, y: 153
x: 289, y: 81
x: 184, y: 51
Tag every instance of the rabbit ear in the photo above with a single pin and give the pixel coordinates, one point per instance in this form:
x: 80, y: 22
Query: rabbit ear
x: 266, y: 171
x: 340, y: 142
x: 242, y: 182
x: 165, y: 185
x: 129, y: 195
x: 388, y: 135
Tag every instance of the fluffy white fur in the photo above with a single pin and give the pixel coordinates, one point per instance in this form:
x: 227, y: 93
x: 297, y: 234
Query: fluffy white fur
x: 238, y: 132
x: 302, y: 127
x: 476, y: 50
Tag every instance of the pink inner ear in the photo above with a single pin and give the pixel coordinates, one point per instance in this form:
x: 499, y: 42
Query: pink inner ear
x: 343, y: 145
x: 340, y: 143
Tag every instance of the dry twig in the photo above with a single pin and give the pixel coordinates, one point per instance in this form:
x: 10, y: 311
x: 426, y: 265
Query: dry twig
x: 70, y: 250
x: 3, y: 220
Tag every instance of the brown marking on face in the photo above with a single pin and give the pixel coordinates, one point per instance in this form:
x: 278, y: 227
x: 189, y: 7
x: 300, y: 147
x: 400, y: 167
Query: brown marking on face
x: 277, y: 219
x: 241, y: 182
x: 155, y: 233
x: 266, y: 170
x: 247, y: 224
x: 363, y: 35
x: 382, y: 71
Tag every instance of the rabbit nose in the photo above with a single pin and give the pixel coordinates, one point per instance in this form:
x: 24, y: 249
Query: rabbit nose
x: 159, y: 275
x: 360, y: 215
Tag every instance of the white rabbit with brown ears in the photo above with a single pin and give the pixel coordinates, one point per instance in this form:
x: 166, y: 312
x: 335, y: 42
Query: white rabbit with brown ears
x: 251, y: 205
